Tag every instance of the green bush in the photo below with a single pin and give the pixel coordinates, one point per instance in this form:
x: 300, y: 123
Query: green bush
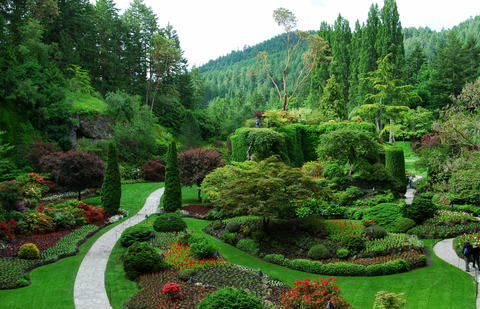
x: 385, y: 215
x: 173, y: 188
x: 200, y: 248
x: 395, y: 162
x: 229, y: 237
x: 259, y: 236
x: 403, y: 225
x: 112, y: 186
x: 10, y: 194
x: 274, y: 258
x: 135, y: 233
x: 248, y: 245
x: 353, y: 242
x: 342, y: 253
x: 141, y: 258
x: 175, y: 224
x: 230, y: 298
x: 233, y: 227
x: 29, y: 252
x: 22, y: 283
x: 319, y: 252
x: 377, y: 233
x: 420, y: 210
x: 415, y: 231
x: 62, y: 217
x: 217, y: 225
x: 186, y: 274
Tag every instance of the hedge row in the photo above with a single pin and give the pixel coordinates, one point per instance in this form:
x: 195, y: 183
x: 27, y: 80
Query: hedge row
x: 341, y: 268
x: 296, y: 143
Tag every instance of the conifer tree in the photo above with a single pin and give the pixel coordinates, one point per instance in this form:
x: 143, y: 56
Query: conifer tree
x: 173, y: 187
x: 191, y: 134
x: 112, y: 186
x: 354, y: 79
x: 333, y: 104
x: 341, y: 39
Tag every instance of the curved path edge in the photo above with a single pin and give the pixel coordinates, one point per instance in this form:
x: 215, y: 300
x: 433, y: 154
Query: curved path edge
x: 89, y: 289
x: 444, y: 250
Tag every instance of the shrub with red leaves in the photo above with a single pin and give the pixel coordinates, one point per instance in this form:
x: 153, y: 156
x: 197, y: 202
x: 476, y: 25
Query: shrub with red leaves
x: 229, y: 145
x: 196, y: 210
x: 218, y: 144
x: 7, y: 229
x: 429, y: 140
x: 92, y: 213
x: 35, y: 151
x: 153, y: 171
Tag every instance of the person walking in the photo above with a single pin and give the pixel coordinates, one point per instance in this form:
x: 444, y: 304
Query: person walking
x: 467, y: 253
x: 476, y: 255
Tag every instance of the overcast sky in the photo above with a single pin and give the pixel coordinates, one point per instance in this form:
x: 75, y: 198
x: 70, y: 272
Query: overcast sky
x: 209, y: 29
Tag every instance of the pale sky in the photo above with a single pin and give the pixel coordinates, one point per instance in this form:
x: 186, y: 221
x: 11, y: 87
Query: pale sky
x: 209, y: 29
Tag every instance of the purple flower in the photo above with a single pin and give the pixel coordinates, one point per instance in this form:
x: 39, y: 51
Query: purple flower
x: 20, y: 206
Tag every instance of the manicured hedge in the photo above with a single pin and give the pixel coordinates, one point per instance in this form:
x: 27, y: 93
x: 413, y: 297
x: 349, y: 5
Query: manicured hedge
x: 340, y: 268
x: 296, y: 143
x: 395, y: 162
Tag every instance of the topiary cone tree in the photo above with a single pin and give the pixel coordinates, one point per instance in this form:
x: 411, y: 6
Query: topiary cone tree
x: 173, y: 187
x: 112, y: 186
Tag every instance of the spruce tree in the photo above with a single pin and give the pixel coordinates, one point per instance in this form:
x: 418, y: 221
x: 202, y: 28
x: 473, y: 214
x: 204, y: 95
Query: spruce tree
x: 191, y: 134
x: 173, y: 188
x: 112, y: 186
x: 333, y: 104
x: 341, y: 39
x: 354, y: 79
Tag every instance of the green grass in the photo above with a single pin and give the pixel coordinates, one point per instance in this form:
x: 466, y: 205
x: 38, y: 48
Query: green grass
x: 52, y: 285
x: 189, y: 196
x: 438, y: 286
x: 86, y: 104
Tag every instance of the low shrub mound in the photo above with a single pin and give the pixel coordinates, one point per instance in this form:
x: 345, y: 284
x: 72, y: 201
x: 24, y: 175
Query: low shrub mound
x: 375, y: 232
x: 319, y: 252
x: 141, y: 258
x: 353, y: 242
x: 135, y: 233
x: 230, y: 298
x: 420, y: 210
x: 385, y: 215
x: 403, y: 225
x: 29, y: 252
x: 186, y: 274
x: 217, y: 225
x: 169, y: 222
x: 248, y: 245
x: 233, y: 227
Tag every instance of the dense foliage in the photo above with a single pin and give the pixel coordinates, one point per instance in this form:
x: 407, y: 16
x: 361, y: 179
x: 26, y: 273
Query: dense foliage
x: 142, y: 258
x: 111, y: 187
x: 230, y: 298
x: 172, y: 199
x: 169, y: 222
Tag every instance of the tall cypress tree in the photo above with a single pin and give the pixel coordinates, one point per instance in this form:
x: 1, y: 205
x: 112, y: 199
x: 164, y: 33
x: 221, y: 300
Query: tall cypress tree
x: 112, y: 186
x: 354, y: 79
x: 333, y: 104
x: 173, y: 186
x: 341, y: 39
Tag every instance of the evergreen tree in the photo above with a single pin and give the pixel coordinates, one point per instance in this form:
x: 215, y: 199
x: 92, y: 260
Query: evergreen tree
x: 190, y: 132
x: 472, y: 54
x: 414, y: 62
x: 333, y: 103
x: 341, y: 39
x: 354, y: 79
x: 112, y: 186
x: 173, y: 188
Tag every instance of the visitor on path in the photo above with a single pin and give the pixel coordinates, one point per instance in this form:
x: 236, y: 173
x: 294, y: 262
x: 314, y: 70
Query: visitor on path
x: 467, y: 253
x: 476, y: 255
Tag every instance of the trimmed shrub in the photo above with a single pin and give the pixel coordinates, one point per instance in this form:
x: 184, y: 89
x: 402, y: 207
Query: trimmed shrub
x: 420, y: 210
x: 248, y: 245
x: 342, y: 253
x: 230, y: 298
x: 186, y: 274
x: 353, y: 242
x: 29, y: 252
x: 174, y: 224
x: 217, y: 225
x: 385, y: 215
x: 153, y: 171
x: 319, y: 252
x: 229, y: 237
x: 142, y: 258
x: 377, y: 233
x: 135, y: 233
x: 233, y: 227
x: 403, y: 225
x: 395, y: 162
x: 173, y: 187
x: 274, y: 258
x: 200, y: 248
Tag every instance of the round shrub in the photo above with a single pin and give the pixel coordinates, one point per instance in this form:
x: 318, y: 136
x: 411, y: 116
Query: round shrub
x: 248, y: 245
x: 186, y: 274
x: 217, y: 225
x: 384, y: 214
x: 135, y: 233
x: 416, y: 232
x: 420, y: 210
x: 230, y: 298
x: 375, y: 232
x: 342, y: 253
x: 403, y: 225
x: 29, y: 252
x: 141, y: 258
x: 233, y: 227
x: 319, y: 252
x: 175, y: 224
x: 153, y: 171
x: 353, y: 242
x: 200, y: 248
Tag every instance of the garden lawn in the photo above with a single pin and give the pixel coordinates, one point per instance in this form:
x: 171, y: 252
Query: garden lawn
x: 438, y: 286
x: 52, y: 285
x: 189, y: 196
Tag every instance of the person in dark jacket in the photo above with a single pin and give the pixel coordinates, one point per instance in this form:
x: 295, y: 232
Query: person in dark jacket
x: 476, y: 255
x: 467, y: 253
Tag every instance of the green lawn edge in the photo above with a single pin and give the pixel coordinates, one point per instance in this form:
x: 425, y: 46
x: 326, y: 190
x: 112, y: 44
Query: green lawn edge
x: 52, y: 285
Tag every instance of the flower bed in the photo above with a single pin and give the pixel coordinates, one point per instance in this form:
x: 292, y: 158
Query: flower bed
x: 198, y: 211
x: 446, y: 217
x: 178, y: 257
x: 340, y: 228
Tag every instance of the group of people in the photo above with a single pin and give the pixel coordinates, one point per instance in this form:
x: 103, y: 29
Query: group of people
x: 471, y: 255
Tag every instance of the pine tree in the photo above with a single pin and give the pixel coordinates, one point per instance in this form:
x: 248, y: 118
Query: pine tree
x: 333, y: 104
x: 341, y: 39
x: 191, y: 134
x: 173, y: 187
x: 414, y: 62
x: 112, y: 186
x: 472, y: 54
x: 354, y: 79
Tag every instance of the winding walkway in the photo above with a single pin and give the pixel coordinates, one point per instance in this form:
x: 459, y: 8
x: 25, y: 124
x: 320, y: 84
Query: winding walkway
x: 89, y: 290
